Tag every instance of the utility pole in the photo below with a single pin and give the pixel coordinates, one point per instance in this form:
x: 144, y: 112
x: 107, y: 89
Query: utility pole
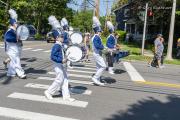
x: 144, y: 31
x: 96, y: 12
x: 107, y: 13
x: 171, y: 32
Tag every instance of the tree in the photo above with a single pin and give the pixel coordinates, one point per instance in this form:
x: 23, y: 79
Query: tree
x: 36, y: 12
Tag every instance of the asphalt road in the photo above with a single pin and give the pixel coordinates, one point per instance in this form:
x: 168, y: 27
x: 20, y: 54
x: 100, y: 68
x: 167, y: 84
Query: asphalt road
x: 135, y: 92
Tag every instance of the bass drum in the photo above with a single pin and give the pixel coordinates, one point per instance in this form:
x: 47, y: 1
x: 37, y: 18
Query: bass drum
x: 76, y: 38
x: 23, y: 32
x: 75, y: 53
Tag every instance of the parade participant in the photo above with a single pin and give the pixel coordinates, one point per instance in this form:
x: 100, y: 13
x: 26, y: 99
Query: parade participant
x: 12, y: 49
x: 58, y: 58
x: 111, y: 45
x: 97, y: 48
x: 87, y: 46
x: 66, y: 43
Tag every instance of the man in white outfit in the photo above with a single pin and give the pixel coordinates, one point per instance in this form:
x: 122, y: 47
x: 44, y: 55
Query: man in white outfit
x: 12, y: 48
x: 97, y: 48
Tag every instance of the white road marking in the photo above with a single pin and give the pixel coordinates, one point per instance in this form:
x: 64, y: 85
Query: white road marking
x: 73, y: 90
x: 135, y: 76
x: 26, y: 115
x: 85, y: 68
x: 37, y: 50
x: 27, y: 48
x: 47, y: 51
x: 73, y: 75
x: 72, y: 81
x: 80, y: 71
x: 39, y: 98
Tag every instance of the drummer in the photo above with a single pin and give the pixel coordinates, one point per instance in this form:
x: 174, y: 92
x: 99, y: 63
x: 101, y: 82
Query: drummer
x: 12, y: 49
x: 66, y: 41
x: 111, y: 47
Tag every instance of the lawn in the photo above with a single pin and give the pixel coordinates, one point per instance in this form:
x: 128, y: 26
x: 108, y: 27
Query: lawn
x: 135, y: 53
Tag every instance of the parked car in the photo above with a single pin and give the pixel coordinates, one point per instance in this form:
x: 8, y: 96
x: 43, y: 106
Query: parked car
x: 49, y: 38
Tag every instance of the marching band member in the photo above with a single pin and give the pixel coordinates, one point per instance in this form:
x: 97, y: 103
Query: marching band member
x: 57, y: 56
x: 111, y: 45
x: 66, y: 42
x: 12, y: 48
x: 97, y: 48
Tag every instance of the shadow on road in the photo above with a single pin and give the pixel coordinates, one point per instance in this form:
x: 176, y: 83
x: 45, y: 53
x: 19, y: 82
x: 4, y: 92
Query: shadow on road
x: 7, y: 81
x: 151, y: 109
x: 119, y: 71
x: 108, y: 80
x: 29, y: 59
x: 34, y: 71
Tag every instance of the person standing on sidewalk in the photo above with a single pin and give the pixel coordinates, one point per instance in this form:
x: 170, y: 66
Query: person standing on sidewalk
x: 178, y: 49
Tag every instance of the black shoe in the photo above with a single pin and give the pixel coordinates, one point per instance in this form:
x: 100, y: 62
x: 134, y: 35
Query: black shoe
x: 5, y: 65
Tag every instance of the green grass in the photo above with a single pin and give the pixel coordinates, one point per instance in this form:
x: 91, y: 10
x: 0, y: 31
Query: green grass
x: 135, y: 53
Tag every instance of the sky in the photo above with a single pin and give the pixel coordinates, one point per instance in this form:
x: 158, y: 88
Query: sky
x: 102, y: 6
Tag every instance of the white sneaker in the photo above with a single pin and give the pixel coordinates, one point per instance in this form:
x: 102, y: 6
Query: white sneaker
x: 48, y: 95
x: 69, y: 66
x: 97, y: 82
x: 23, y: 76
x: 111, y: 72
x: 68, y: 99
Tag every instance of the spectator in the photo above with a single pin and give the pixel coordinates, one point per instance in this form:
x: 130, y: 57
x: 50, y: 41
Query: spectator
x: 178, y: 48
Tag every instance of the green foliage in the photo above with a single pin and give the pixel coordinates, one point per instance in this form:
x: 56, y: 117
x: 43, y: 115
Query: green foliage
x: 38, y: 36
x: 122, y: 35
x: 36, y: 12
x: 83, y: 20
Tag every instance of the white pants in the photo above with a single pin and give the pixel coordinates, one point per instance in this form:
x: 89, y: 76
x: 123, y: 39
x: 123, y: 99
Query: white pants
x: 15, y: 65
x: 100, y: 65
x: 61, y: 80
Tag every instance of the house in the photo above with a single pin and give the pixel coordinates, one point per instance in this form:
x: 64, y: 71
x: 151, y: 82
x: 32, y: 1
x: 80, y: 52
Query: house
x: 134, y: 25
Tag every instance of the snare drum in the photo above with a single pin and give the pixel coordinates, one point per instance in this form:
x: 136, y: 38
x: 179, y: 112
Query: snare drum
x: 75, y: 53
x: 76, y: 38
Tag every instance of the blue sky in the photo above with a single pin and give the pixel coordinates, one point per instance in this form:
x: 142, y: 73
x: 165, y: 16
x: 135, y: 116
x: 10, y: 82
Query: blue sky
x: 102, y: 6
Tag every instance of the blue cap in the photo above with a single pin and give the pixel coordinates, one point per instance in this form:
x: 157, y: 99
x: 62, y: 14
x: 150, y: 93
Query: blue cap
x: 97, y: 29
x: 111, y: 30
x: 12, y: 21
x: 56, y: 34
x: 65, y: 27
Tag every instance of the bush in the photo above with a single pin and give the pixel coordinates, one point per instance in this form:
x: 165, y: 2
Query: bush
x: 38, y: 36
x: 122, y: 35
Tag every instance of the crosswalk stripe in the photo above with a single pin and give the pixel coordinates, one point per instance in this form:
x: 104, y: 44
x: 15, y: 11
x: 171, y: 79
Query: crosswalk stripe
x: 47, y: 51
x: 39, y: 98
x: 27, y: 48
x: 93, y: 66
x: 80, y: 71
x: 26, y: 115
x: 2, y: 47
x: 73, y: 75
x: 37, y: 50
x: 133, y: 73
x: 72, y: 81
x: 85, y: 68
x: 73, y: 90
